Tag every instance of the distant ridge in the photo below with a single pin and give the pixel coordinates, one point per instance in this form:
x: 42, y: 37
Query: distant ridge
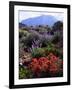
x: 40, y: 20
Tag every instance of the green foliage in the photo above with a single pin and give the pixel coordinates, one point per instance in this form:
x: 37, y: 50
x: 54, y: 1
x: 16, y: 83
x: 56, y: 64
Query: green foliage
x: 58, y: 53
x: 49, y: 48
x: 56, y: 39
x: 38, y: 42
x: 24, y: 73
x: 29, y: 39
x: 20, y: 34
x: 58, y: 25
x: 44, y: 42
x: 38, y: 52
x: 23, y: 33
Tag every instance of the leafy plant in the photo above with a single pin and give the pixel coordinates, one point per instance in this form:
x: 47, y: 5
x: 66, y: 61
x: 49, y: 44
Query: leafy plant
x: 23, y: 33
x: 59, y: 53
x: 24, y: 73
x: 58, y: 26
x: 52, y: 49
x: 55, y: 39
x: 44, y: 41
x: 37, y: 52
x: 29, y: 39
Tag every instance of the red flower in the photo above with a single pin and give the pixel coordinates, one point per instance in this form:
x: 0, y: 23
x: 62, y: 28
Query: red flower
x: 46, y: 64
x: 34, y: 60
x: 53, y: 68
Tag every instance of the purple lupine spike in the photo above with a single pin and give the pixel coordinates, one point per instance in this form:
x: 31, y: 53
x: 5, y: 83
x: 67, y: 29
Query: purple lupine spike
x: 32, y: 46
x: 30, y: 49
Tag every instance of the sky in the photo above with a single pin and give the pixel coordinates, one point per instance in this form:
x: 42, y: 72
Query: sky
x: 30, y: 14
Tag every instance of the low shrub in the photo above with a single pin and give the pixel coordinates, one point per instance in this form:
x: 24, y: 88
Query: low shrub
x: 44, y: 41
x: 52, y: 49
x: 23, y: 33
x: 38, y: 52
x: 29, y: 39
x: 24, y: 73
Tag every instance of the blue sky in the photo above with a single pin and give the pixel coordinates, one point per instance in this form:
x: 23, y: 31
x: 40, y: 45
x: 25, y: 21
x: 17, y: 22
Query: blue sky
x: 25, y: 15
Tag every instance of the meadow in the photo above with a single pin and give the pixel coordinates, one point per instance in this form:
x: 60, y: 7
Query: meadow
x: 40, y: 51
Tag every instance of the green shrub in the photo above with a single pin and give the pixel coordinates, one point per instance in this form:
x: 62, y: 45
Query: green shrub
x: 56, y: 39
x: 38, y: 52
x: 23, y: 33
x: 24, y: 73
x: 58, y: 53
x: 20, y: 34
x: 51, y: 49
x: 44, y: 42
x: 29, y: 39
x: 48, y: 49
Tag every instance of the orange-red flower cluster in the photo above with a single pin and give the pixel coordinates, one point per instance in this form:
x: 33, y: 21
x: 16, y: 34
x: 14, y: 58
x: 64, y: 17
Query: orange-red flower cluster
x: 46, y: 64
x: 39, y: 65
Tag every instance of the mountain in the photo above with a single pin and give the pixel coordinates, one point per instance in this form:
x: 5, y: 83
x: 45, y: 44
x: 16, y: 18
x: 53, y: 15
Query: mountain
x: 40, y: 20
